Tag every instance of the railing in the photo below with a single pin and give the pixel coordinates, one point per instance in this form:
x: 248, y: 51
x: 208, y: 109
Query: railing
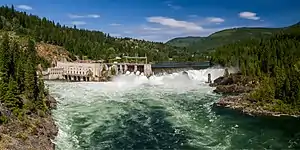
x: 181, y: 64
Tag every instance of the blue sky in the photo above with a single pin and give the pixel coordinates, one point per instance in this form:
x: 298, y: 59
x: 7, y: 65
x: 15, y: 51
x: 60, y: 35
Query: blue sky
x: 161, y: 20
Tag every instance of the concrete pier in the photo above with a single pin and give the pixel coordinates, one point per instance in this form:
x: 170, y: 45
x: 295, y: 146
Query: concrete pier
x: 209, y: 78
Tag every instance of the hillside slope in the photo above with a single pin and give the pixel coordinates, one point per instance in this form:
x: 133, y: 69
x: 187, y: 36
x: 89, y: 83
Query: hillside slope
x: 221, y: 38
x: 184, y: 41
x: 45, y: 52
x: 50, y: 52
x: 25, y: 104
x: 275, y: 63
x: 93, y: 44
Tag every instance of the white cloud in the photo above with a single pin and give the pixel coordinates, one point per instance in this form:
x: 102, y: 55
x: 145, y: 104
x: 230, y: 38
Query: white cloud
x: 127, y: 32
x: 170, y: 22
x: 25, y: 7
x: 169, y: 4
x: 115, y: 24
x: 162, y: 29
x: 165, y: 33
x: 115, y: 35
x: 174, y: 6
x: 74, y: 16
x: 215, y: 20
x: 93, y: 16
x: 249, y: 15
x: 151, y: 29
x: 78, y: 23
x: 192, y: 16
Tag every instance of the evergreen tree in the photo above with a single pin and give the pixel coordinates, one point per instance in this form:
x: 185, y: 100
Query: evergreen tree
x: 31, y: 87
x: 10, y: 99
x: 5, y: 59
x: 19, y: 66
x: 40, y: 103
x: 4, y: 65
x: 12, y: 59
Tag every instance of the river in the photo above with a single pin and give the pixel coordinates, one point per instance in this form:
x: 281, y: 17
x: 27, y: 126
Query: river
x: 163, y: 112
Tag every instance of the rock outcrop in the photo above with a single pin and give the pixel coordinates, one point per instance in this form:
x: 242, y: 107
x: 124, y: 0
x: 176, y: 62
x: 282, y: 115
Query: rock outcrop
x: 33, y: 132
x: 236, y: 89
x: 232, y: 89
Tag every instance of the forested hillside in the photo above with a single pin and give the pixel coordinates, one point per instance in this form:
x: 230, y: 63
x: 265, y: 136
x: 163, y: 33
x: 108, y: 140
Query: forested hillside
x: 21, y: 91
x: 275, y: 61
x: 93, y: 44
x: 185, y: 41
x: 25, y: 120
x: 220, y: 38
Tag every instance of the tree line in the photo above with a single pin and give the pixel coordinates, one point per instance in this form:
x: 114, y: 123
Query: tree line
x: 21, y: 90
x: 93, y: 44
x: 275, y: 61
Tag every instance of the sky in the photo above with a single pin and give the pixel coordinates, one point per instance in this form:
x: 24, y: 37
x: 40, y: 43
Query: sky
x: 162, y: 20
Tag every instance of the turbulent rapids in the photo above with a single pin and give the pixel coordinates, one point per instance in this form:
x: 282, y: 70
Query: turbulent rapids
x: 162, y: 112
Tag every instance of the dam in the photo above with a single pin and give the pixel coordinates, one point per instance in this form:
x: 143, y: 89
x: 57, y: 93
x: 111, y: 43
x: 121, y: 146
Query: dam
x: 97, y: 71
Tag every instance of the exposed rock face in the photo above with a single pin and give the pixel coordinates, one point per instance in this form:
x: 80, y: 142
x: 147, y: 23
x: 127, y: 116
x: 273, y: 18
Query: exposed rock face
x: 234, y: 84
x: 51, y: 102
x: 52, y: 52
x: 232, y: 89
x: 35, y: 132
x: 234, y: 78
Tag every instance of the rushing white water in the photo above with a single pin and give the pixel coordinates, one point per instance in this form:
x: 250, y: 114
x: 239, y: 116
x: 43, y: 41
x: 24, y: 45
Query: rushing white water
x: 133, y: 112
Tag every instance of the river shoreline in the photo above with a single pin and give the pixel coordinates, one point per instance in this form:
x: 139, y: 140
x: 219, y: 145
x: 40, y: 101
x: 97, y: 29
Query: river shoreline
x: 35, y: 132
x: 236, y: 90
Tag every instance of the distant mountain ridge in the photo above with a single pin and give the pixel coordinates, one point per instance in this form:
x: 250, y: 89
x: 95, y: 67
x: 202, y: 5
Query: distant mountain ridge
x: 184, y: 41
x: 220, y: 38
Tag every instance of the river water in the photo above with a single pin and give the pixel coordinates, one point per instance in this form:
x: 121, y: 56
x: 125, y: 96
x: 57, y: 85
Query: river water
x: 163, y: 112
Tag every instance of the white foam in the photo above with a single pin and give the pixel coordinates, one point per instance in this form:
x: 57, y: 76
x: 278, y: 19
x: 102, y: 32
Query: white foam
x: 91, y: 100
x: 196, y: 77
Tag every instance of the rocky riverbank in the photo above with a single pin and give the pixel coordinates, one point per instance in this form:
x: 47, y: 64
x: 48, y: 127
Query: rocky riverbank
x: 36, y: 132
x: 236, y: 89
x: 234, y: 83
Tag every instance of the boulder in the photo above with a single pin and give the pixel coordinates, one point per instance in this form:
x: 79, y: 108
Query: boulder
x: 232, y: 89
x: 51, y: 102
x: 222, y: 81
